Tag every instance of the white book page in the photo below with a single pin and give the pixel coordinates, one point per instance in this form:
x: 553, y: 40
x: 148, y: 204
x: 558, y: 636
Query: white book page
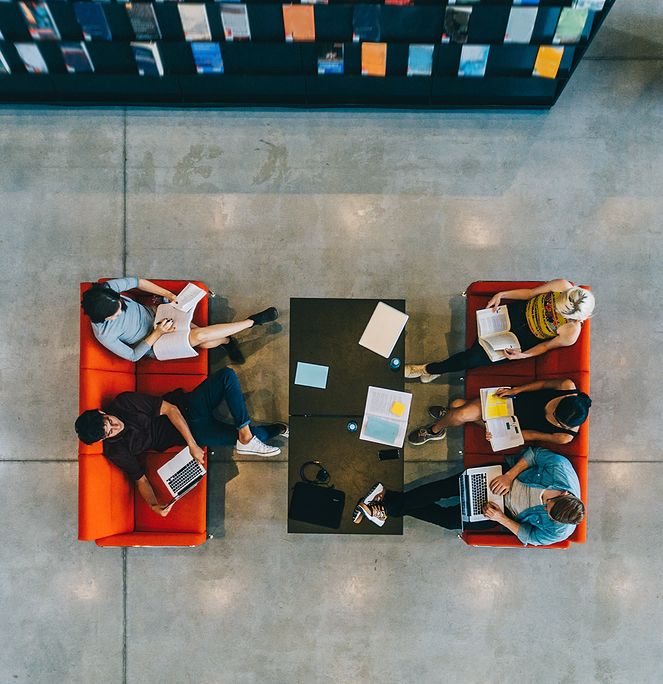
x: 175, y: 344
x: 489, y: 321
x: 502, y: 340
x: 383, y: 330
x: 386, y: 416
x: 191, y: 294
x: 505, y: 433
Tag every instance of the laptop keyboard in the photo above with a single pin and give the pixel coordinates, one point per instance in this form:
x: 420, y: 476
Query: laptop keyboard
x: 478, y: 491
x: 177, y: 481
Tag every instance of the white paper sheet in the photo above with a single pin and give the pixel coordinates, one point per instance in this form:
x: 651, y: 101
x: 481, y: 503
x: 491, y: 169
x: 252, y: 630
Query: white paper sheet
x: 383, y: 330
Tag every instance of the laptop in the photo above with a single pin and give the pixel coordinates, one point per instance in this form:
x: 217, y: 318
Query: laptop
x: 181, y: 474
x: 474, y: 492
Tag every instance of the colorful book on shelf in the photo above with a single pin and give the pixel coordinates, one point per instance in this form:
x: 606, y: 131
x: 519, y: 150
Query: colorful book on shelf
x: 298, y: 22
x: 571, y: 24
x: 76, y: 58
x: 314, y: 2
x: 399, y: 2
x: 194, y: 21
x: 525, y: 2
x: 148, y: 59
x: 92, y: 20
x: 456, y: 24
x: 366, y: 23
x: 420, y: 60
x: 548, y: 59
x: 235, y: 20
x: 373, y: 59
x: 207, y: 57
x: 520, y: 27
x: 32, y: 59
x: 143, y: 20
x: 330, y: 58
x: 473, y: 60
x: 4, y: 66
x: 39, y: 20
x: 594, y: 5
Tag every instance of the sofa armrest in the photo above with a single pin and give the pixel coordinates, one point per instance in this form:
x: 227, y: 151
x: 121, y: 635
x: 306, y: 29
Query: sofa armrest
x: 154, y: 539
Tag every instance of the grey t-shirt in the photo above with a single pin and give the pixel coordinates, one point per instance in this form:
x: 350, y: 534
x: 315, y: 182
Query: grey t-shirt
x: 522, y: 496
x: 124, y: 335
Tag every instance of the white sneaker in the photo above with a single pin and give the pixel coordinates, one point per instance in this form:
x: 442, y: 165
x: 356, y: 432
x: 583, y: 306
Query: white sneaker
x: 256, y: 447
x: 375, y: 493
x: 374, y: 512
x: 414, y: 371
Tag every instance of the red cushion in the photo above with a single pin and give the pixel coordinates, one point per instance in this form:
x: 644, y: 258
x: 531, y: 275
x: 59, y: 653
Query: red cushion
x: 154, y: 539
x: 566, y: 360
x: 157, y: 384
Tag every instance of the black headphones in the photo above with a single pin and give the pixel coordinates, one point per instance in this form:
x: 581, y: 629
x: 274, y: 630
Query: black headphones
x: 321, y: 477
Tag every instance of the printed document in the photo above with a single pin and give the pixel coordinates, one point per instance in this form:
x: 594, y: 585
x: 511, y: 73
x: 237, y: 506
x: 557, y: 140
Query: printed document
x: 386, y: 416
x: 383, y: 330
x: 175, y: 344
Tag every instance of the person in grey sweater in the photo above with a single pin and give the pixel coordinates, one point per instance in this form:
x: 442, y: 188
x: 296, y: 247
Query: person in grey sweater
x: 127, y: 328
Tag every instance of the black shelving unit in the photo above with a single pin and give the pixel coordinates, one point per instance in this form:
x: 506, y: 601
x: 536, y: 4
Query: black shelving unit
x: 268, y: 70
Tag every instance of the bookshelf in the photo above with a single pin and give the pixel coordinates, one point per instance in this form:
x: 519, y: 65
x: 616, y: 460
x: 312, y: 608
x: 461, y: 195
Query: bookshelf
x: 485, y: 53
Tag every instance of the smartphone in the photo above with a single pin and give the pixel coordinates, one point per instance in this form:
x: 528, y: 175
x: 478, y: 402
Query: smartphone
x: 389, y: 454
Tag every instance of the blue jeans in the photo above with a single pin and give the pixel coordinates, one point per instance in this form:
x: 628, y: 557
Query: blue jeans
x: 206, y: 429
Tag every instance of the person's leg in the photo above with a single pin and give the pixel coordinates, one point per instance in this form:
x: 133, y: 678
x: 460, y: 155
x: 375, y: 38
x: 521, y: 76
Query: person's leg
x: 403, y: 503
x: 221, y: 386
x: 213, y: 335
x: 474, y: 357
x: 460, y: 411
x: 447, y: 516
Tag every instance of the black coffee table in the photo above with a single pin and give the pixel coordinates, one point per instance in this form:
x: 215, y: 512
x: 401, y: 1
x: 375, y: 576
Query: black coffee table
x: 327, y: 332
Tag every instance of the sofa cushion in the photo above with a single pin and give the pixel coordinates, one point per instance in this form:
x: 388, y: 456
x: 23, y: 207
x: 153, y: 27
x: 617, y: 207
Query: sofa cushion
x: 566, y: 360
x: 158, y: 384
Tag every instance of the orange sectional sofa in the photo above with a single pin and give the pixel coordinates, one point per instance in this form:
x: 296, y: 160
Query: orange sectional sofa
x: 110, y: 509
x: 568, y: 362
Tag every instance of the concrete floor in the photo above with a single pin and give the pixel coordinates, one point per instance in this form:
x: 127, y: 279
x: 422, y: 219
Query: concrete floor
x: 264, y: 205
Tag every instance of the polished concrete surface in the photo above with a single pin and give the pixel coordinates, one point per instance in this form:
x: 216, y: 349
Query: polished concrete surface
x: 265, y: 205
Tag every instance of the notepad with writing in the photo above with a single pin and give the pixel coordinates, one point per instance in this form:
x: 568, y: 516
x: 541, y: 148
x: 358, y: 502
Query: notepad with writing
x: 383, y: 329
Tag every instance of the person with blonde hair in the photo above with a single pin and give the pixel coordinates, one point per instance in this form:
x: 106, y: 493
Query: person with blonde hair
x: 542, y: 318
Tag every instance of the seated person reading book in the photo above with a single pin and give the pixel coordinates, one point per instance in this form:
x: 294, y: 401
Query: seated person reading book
x: 134, y: 423
x: 541, y: 497
x: 128, y: 328
x: 547, y: 411
x: 541, y: 318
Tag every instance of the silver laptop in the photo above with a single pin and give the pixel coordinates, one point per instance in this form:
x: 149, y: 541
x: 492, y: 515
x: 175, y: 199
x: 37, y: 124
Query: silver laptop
x: 181, y: 474
x: 475, y: 492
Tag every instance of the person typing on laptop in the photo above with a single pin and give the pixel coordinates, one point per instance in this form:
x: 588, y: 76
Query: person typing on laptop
x: 135, y: 423
x: 541, y: 494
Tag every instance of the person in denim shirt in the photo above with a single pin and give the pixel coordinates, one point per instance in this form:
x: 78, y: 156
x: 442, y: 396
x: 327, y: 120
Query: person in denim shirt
x: 541, y: 497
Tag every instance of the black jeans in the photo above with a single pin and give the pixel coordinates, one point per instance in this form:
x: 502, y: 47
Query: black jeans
x: 420, y: 503
x: 474, y: 357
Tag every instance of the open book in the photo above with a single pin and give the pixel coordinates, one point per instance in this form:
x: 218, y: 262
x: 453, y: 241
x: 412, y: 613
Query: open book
x: 502, y: 424
x: 175, y: 344
x: 493, y: 331
x: 385, y: 416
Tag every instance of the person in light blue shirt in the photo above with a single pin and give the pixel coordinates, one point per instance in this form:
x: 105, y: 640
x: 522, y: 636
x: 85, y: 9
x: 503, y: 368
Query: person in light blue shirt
x: 127, y: 328
x: 541, y: 499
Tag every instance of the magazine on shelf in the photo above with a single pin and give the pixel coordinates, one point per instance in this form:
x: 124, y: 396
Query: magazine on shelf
x: 148, y: 59
x: 571, y: 24
x: 330, y: 58
x: 373, y: 59
x: 315, y: 2
x: 473, y: 60
x: 420, y: 60
x: 235, y: 20
x: 39, y: 20
x: 143, y: 20
x: 497, y: 413
x: 4, y: 67
x: 456, y: 24
x: 525, y: 2
x: 298, y: 23
x: 494, y: 332
x: 31, y: 56
x: 194, y: 21
x: 76, y: 58
x: 594, y: 5
x: 548, y: 59
x: 175, y: 344
x: 92, y: 20
x: 520, y: 27
x: 366, y: 23
x: 207, y: 57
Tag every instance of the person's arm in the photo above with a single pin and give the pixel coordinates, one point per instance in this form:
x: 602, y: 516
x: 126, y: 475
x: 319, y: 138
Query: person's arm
x: 179, y: 423
x: 567, y: 335
x: 134, y: 353
x: 153, y: 288
x: 558, y: 285
x: 553, y: 438
x: 502, y: 485
x: 146, y: 491
x: 492, y: 512
x: 566, y: 384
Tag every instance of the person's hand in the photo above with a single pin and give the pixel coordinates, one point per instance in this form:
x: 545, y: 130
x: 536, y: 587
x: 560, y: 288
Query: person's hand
x: 170, y: 296
x: 162, y: 510
x: 165, y: 326
x: 505, y: 392
x: 492, y: 512
x: 513, y: 354
x: 494, y: 301
x: 489, y: 435
x: 197, y: 453
x: 501, y: 485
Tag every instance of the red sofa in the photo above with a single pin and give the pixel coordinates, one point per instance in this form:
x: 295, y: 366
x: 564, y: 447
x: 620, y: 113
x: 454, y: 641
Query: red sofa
x: 568, y: 362
x: 110, y: 509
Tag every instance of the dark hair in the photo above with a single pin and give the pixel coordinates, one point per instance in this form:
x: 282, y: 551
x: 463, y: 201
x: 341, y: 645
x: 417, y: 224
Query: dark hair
x: 100, y: 302
x: 567, y: 509
x: 90, y: 426
x: 573, y: 410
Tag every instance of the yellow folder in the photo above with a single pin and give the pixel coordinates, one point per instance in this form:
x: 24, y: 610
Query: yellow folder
x: 298, y: 22
x: 548, y: 60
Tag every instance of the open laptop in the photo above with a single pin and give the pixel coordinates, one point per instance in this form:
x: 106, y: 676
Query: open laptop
x: 181, y: 474
x: 474, y: 492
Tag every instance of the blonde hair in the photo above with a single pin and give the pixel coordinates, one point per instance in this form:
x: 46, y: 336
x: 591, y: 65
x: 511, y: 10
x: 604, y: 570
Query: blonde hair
x: 576, y: 304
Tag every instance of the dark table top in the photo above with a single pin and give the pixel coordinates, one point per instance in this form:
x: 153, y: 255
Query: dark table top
x: 353, y: 466
x: 327, y: 332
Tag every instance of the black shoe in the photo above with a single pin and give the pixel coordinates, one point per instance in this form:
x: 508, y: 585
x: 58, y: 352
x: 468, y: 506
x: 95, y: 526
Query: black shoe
x: 233, y: 351
x: 266, y: 316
